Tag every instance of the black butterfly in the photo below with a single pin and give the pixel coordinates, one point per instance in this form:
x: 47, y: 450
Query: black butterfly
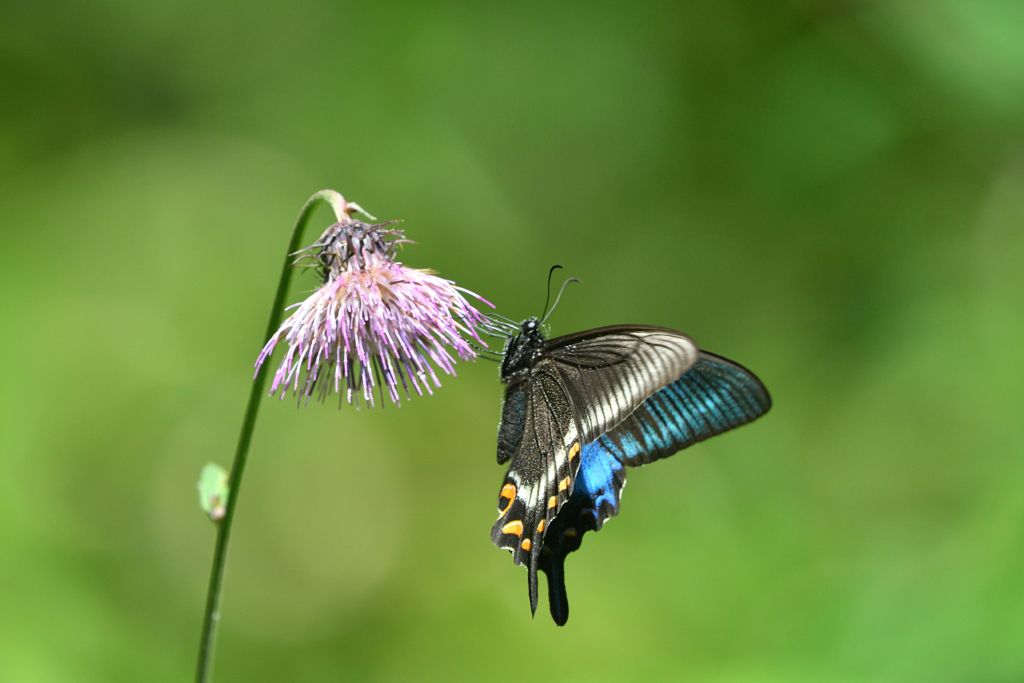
x: 580, y: 408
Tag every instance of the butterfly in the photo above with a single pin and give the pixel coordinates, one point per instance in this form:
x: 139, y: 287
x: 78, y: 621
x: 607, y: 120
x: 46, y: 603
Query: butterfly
x: 579, y: 409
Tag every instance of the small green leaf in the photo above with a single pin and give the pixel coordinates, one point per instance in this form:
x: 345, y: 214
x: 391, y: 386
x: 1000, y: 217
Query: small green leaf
x: 213, y: 491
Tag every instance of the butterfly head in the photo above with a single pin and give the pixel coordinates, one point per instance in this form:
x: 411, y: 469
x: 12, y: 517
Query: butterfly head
x: 521, y: 349
x: 530, y: 326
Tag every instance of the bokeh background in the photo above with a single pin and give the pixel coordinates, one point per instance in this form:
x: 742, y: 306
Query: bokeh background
x: 830, y: 192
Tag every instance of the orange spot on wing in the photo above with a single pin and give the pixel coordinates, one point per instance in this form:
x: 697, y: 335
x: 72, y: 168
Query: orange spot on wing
x: 552, y: 502
x: 507, y: 491
x: 540, y: 527
x: 570, y: 532
x: 515, y: 527
x: 564, y: 484
x: 526, y: 544
x: 574, y: 450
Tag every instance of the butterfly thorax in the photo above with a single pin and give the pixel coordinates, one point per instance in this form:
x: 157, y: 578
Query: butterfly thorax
x: 521, y: 350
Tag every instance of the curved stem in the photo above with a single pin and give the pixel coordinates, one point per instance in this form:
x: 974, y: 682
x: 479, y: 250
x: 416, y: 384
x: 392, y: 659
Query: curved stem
x: 211, y: 616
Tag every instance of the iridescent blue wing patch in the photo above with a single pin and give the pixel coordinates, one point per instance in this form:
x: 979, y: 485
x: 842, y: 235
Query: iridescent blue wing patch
x: 714, y: 396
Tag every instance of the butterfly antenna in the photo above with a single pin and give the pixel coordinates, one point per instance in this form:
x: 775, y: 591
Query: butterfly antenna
x: 559, y: 297
x: 547, y: 299
x: 495, y: 316
x: 503, y: 328
x: 481, y: 351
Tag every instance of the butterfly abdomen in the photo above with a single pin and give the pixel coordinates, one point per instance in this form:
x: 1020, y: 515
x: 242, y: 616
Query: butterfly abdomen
x: 513, y: 416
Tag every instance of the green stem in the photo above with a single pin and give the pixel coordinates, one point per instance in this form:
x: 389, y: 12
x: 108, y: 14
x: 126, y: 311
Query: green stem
x: 211, y: 616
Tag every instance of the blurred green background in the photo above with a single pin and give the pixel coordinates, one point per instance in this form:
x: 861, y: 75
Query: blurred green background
x: 830, y: 192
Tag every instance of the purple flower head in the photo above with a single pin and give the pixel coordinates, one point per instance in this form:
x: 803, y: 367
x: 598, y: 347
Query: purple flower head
x: 375, y: 323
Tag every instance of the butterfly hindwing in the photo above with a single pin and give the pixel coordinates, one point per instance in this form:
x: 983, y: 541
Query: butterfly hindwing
x: 594, y: 500
x: 544, y: 463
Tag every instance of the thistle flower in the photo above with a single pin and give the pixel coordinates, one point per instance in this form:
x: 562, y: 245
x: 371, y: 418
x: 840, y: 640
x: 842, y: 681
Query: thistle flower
x: 374, y: 323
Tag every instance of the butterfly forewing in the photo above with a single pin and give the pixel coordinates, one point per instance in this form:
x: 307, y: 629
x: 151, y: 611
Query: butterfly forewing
x: 714, y: 396
x: 612, y: 370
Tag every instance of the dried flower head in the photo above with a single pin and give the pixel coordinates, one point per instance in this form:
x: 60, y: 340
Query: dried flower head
x: 374, y: 324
